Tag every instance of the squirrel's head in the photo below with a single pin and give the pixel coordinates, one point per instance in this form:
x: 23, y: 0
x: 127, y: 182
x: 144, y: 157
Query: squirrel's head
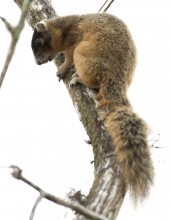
x: 43, y: 43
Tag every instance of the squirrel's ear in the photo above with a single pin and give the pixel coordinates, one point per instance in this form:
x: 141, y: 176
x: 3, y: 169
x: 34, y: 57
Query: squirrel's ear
x: 41, y: 27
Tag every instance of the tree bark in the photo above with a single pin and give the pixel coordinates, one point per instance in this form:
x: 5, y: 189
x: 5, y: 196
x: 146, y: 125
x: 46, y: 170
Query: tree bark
x: 108, y: 190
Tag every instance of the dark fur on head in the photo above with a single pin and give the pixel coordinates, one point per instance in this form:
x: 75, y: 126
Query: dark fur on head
x: 42, y: 44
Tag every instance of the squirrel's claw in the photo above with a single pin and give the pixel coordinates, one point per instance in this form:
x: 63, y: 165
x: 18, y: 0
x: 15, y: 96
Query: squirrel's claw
x: 60, y: 74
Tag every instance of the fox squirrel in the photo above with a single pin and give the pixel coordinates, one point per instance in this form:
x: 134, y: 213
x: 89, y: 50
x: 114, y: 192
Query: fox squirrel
x: 103, y: 52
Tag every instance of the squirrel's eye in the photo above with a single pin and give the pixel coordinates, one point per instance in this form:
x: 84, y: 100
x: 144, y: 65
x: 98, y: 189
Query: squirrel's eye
x: 39, y: 42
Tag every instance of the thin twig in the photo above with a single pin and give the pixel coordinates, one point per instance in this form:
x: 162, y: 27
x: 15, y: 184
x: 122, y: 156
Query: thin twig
x: 15, y: 33
x: 17, y: 174
x: 38, y: 200
x: 103, y: 6
x: 107, y: 5
x: 8, y: 25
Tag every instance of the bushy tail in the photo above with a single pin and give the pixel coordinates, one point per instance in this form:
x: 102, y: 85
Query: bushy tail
x: 129, y: 134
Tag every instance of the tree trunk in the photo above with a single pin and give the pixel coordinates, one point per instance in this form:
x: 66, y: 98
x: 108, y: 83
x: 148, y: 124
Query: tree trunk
x: 108, y: 190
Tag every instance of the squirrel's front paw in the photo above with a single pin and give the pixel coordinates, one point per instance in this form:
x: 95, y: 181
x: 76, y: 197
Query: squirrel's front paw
x: 61, y: 73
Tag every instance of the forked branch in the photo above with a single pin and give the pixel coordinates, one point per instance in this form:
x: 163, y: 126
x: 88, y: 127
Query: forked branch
x: 17, y: 174
x: 15, y: 33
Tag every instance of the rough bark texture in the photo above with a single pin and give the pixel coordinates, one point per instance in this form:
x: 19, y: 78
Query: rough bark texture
x: 108, y: 191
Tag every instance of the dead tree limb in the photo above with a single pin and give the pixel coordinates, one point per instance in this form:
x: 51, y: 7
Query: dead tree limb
x: 15, y: 34
x: 17, y: 174
x: 108, y: 190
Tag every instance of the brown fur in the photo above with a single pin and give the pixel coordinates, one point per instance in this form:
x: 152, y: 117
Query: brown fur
x: 103, y: 52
